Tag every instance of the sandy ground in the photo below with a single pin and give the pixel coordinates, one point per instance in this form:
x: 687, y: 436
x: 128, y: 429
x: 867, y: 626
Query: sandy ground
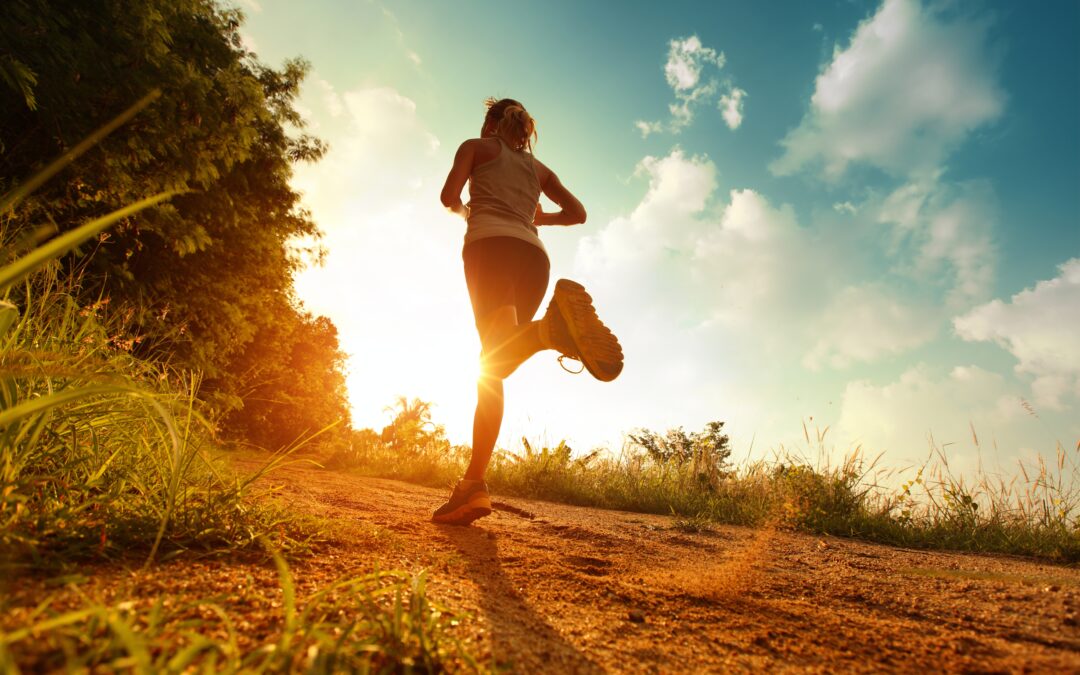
x: 554, y: 588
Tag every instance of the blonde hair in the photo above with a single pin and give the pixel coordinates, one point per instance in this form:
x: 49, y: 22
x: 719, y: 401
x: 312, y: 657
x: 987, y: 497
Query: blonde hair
x: 512, y: 122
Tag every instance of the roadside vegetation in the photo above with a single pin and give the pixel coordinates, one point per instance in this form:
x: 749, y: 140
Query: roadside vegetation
x: 147, y: 322
x: 108, y: 456
x: 691, y: 476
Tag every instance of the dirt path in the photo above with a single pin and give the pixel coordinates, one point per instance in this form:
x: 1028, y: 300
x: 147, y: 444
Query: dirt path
x: 571, y: 589
x: 555, y: 588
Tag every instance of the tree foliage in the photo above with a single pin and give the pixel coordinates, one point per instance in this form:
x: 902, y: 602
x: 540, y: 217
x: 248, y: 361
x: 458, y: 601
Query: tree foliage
x: 207, y: 280
x: 708, y: 447
x: 412, y: 426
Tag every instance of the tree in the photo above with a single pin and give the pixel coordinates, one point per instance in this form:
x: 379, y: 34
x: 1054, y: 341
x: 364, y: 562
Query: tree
x: 208, y: 276
x: 706, y: 452
x: 286, y: 398
x: 412, y: 426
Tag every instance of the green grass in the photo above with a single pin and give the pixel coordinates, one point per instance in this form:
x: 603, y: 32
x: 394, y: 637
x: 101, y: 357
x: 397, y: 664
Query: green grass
x: 381, y: 622
x: 1035, y: 513
x: 108, y: 453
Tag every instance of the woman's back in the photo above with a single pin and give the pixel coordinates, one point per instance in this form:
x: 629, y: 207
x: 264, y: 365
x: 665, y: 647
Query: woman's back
x: 503, y: 193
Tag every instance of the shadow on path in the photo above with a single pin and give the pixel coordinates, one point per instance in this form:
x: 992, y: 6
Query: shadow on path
x: 521, y: 639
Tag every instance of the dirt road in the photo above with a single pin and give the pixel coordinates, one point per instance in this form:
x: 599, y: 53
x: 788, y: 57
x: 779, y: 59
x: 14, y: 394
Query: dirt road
x: 561, y: 589
x: 566, y: 589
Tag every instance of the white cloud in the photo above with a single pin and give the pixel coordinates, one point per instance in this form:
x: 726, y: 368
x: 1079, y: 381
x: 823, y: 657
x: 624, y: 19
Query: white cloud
x: 686, y: 58
x: 677, y: 252
x: 695, y: 287
x: 1040, y: 326
x: 864, y: 323
x: 692, y: 71
x: 910, y: 86
x: 845, y: 207
x: 253, y: 5
x: 648, y: 128
x: 759, y: 312
x: 786, y: 291
x: 731, y: 107
x: 950, y: 229
x: 900, y: 418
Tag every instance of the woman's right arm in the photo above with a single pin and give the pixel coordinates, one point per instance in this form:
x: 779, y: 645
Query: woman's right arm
x: 458, y: 176
x: 572, y: 213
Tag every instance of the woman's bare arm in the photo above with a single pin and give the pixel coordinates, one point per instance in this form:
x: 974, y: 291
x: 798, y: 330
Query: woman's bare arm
x: 456, y: 179
x: 572, y: 213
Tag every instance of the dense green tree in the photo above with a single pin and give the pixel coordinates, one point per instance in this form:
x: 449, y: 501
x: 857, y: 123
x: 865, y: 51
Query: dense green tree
x: 207, y: 279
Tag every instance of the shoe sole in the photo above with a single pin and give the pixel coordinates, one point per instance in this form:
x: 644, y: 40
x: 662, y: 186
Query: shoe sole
x: 477, y: 507
x: 575, y: 306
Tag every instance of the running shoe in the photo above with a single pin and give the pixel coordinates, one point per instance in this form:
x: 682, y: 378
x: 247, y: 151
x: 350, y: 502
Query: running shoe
x: 469, y: 500
x: 577, y: 332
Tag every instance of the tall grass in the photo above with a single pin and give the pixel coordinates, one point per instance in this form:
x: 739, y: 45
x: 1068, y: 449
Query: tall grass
x: 102, y: 452
x: 1035, y: 513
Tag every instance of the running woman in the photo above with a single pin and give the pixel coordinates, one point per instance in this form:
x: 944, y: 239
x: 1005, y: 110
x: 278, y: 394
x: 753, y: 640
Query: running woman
x: 506, y: 271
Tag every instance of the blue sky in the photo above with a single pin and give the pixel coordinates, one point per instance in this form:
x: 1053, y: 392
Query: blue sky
x: 864, y: 214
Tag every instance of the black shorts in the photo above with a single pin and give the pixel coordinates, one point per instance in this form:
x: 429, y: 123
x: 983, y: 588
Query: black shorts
x: 501, y: 271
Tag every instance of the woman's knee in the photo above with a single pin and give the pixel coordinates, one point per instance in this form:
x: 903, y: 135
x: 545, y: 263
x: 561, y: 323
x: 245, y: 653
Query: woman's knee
x: 494, y: 370
x: 489, y: 386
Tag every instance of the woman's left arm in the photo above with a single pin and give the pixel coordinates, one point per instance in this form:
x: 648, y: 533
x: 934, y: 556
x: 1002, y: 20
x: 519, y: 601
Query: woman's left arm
x: 456, y: 179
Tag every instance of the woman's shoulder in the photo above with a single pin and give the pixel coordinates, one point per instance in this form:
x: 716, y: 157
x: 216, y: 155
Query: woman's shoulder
x: 478, y: 143
x: 483, y: 149
x: 542, y: 171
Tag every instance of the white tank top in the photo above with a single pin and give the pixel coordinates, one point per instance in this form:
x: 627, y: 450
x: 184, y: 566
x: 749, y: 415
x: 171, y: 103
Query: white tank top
x: 503, y: 194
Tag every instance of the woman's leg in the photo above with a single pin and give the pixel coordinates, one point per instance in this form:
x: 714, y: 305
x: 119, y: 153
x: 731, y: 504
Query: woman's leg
x: 506, y: 346
x: 509, y: 338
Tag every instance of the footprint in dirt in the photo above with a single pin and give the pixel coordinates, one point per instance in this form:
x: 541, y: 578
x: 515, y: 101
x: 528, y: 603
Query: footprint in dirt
x: 509, y: 508
x: 596, y: 567
x: 581, y: 534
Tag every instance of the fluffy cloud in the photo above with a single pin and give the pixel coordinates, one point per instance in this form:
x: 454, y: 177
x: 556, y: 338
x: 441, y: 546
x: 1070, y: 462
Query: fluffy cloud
x: 910, y: 86
x: 687, y: 70
x: 686, y: 58
x: 864, y: 323
x: 677, y: 251
x: 731, y: 107
x: 952, y: 411
x: 943, y: 234
x: 778, y: 288
x: 1040, y: 327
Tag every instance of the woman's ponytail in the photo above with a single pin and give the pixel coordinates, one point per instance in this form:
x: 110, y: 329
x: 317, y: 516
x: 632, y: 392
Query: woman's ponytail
x: 512, y: 123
